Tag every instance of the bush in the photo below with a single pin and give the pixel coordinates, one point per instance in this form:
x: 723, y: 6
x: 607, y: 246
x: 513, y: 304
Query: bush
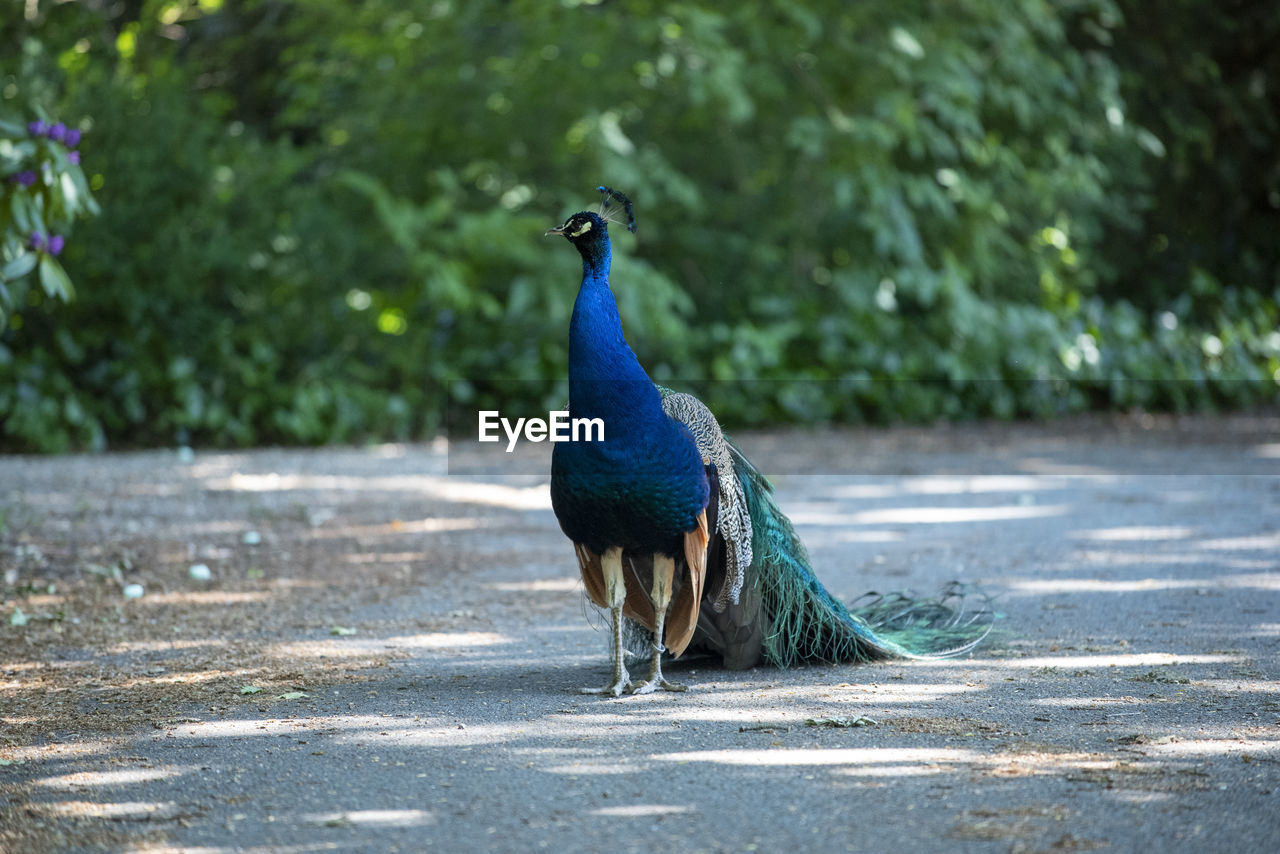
x: 322, y: 222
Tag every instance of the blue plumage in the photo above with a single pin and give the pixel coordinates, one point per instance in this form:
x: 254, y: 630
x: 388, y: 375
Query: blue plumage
x: 674, y: 528
x: 643, y: 487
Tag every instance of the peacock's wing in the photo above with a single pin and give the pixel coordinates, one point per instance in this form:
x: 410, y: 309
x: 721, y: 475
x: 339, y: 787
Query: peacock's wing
x: 733, y: 518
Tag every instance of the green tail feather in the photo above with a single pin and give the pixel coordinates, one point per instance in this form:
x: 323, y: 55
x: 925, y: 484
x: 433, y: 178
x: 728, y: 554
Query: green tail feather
x: 806, y: 623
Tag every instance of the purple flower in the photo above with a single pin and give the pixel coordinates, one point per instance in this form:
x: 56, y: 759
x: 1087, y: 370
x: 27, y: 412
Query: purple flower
x: 26, y: 178
x: 55, y: 244
x: 72, y: 139
x: 58, y: 132
x: 38, y: 128
x: 73, y: 157
x: 37, y: 241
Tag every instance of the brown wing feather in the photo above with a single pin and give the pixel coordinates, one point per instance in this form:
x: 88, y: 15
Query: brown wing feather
x: 592, y: 574
x: 637, y: 573
x: 682, y: 616
x: 637, y: 605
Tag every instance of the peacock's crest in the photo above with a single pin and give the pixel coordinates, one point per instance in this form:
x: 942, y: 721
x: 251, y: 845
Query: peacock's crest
x: 611, y: 212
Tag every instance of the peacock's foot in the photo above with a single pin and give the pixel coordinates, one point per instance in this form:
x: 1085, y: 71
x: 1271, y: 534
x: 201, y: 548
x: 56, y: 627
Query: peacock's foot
x: 651, y: 685
x: 620, y: 683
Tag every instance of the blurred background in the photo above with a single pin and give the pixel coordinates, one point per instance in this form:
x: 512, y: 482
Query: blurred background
x: 321, y: 221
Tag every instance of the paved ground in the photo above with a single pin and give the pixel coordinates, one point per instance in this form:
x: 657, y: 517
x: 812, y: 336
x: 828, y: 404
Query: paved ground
x: 418, y: 638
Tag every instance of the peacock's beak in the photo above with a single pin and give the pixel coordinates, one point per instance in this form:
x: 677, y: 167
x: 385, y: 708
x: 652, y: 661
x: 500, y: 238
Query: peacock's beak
x: 559, y: 229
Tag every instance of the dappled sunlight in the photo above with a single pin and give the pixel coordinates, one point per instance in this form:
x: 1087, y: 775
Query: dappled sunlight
x: 217, y: 526
x: 1268, y: 749
x: 957, y: 485
x: 122, y: 811
x: 541, y: 585
x: 611, y: 767
x: 400, y: 527
x: 1261, y: 542
x: 166, y: 645
x: 927, y: 515
x: 1085, y: 703
x: 1048, y: 467
x: 118, y: 777
x: 1240, y: 686
x: 1083, y: 662
x: 748, y: 701
x: 453, y: 489
x: 913, y: 770
x: 138, y: 489
x: 55, y: 751
x: 184, y: 677
x: 731, y: 715
x: 162, y: 848
x: 396, y: 450
x: 259, y: 727
x: 1034, y: 587
x: 417, y: 733
x: 824, y: 756
x: 44, y: 601
x: 207, y: 465
x: 385, y: 818
x: 868, y: 537
x: 1136, y: 533
x: 385, y: 557
x: 203, y: 597
x: 355, y: 646
x: 1137, y: 798
x: 642, y: 810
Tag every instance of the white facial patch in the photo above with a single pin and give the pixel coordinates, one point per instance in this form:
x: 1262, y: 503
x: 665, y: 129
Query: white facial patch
x: 582, y: 229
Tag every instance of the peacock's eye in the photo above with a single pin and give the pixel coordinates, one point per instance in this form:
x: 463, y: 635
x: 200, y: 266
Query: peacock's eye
x: 580, y: 230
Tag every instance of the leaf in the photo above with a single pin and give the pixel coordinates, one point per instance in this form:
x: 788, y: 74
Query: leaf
x: 293, y: 695
x: 250, y: 689
x: 20, y: 204
x: 341, y: 631
x: 17, y: 618
x: 55, y: 279
x: 19, y: 266
x: 840, y: 723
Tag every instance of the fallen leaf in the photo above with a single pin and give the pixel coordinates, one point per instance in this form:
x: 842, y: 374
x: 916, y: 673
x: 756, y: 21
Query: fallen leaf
x: 250, y: 689
x: 860, y: 720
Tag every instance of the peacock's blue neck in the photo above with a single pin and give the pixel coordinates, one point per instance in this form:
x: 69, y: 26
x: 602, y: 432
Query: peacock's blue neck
x: 605, y: 378
x: 642, y: 487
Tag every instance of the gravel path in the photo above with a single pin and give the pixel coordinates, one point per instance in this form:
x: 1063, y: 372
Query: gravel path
x: 391, y: 663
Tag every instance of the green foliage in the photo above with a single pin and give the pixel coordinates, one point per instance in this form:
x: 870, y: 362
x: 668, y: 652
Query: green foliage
x: 323, y: 221
x: 43, y: 191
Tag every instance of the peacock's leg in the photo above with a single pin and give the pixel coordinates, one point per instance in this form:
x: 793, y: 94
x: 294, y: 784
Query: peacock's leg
x: 664, y: 570
x: 615, y: 593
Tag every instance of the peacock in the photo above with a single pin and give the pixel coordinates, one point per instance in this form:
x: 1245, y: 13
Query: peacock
x: 675, y: 530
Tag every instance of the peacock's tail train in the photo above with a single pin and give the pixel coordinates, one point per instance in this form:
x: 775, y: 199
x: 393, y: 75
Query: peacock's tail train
x: 801, y: 622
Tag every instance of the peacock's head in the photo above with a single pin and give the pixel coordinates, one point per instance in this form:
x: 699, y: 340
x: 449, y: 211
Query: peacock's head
x: 588, y: 231
x: 583, y: 229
